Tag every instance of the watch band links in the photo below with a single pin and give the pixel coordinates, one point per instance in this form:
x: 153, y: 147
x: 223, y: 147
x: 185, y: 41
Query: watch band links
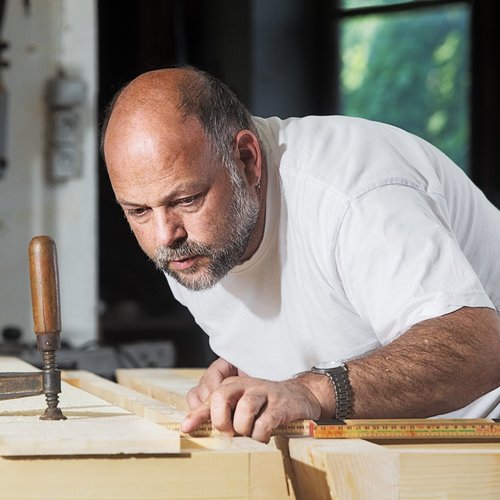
x: 343, y: 395
x: 339, y: 378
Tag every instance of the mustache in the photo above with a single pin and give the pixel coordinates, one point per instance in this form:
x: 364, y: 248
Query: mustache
x: 185, y: 250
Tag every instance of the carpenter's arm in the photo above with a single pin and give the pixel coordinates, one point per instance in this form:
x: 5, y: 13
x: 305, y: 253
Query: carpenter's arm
x: 437, y: 366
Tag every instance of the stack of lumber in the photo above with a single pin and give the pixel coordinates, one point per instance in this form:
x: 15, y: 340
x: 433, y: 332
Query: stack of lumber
x: 105, y: 451
x: 118, y: 444
x: 356, y: 468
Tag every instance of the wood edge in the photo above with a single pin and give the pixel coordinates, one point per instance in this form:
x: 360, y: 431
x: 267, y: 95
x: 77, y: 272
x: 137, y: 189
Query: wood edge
x: 124, y: 397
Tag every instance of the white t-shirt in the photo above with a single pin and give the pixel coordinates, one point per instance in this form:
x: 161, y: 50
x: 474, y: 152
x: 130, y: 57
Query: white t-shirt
x: 369, y: 230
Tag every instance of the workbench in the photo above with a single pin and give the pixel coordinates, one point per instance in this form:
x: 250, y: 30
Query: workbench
x: 117, y: 443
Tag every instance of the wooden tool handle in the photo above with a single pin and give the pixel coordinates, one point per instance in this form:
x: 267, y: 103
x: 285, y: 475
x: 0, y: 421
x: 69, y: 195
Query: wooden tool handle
x: 44, y: 285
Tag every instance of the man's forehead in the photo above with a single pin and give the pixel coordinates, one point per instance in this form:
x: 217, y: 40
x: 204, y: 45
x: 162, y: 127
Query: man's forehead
x: 143, y: 151
x: 152, y: 130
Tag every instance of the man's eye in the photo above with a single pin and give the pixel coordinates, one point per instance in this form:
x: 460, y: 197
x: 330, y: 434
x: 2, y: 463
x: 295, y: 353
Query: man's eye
x: 189, y: 200
x: 136, y: 212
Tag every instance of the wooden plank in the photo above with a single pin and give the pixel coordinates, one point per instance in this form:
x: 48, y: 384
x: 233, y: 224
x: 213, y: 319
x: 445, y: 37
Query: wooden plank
x: 219, y: 471
x: 334, y: 468
x: 359, y: 469
x: 93, y: 426
x: 198, y: 473
x: 129, y: 399
x: 205, y: 468
x: 351, y: 468
x: 266, y: 474
x: 201, y: 475
x: 449, y: 470
x: 169, y: 385
x: 157, y: 411
x: 344, y: 469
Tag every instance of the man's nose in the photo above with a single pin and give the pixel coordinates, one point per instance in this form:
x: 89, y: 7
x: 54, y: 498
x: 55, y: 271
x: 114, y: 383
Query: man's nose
x: 169, y: 229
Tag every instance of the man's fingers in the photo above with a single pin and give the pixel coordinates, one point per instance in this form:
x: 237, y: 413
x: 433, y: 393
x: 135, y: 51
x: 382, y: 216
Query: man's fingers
x: 213, y: 377
x: 195, y: 418
x: 230, y: 380
x: 203, y: 392
x: 219, y: 370
x: 222, y: 403
x: 247, y: 410
x: 264, y: 426
x: 254, y: 407
x: 193, y: 398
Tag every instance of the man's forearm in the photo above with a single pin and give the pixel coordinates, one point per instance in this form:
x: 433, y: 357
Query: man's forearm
x: 435, y: 367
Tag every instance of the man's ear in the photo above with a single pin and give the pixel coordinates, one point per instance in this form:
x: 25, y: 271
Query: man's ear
x: 249, y: 154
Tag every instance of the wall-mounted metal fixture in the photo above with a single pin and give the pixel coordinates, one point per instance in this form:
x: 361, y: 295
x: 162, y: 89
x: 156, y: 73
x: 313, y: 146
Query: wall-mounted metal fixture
x: 65, y: 97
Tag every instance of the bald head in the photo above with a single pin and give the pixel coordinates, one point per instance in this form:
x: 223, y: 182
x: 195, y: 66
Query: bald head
x: 152, y: 93
x: 172, y: 96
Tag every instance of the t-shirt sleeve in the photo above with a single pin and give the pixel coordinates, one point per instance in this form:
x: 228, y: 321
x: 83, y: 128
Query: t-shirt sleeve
x: 400, y: 263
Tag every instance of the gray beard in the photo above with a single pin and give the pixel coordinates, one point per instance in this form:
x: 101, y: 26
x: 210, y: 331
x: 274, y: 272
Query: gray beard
x: 239, y: 224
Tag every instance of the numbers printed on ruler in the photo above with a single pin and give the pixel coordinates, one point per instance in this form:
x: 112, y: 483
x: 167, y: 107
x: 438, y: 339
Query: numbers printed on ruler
x: 460, y: 429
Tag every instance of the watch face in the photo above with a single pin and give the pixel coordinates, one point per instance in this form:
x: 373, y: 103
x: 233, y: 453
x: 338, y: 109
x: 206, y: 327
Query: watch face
x: 327, y: 365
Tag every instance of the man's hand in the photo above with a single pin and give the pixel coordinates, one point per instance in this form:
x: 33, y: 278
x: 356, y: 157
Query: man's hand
x: 213, y: 377
x: 254, y: 407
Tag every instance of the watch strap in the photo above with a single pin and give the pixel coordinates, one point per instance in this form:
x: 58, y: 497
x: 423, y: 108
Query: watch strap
x: 339, y: 377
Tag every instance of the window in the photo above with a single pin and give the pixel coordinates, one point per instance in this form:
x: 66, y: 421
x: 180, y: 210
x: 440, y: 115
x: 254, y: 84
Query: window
x: 408, y: 64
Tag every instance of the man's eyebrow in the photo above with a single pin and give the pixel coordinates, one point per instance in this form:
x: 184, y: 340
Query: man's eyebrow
x: 128, y: 203
x: 178, y: 191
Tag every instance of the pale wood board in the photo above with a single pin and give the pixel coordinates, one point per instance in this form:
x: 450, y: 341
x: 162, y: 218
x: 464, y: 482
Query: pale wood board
x: 463, y: 471
x: 197, y: 473
x: 165, y: 384
x: 124, y: 397
x: 209, y: 475
x: 93, y: 426
x: 358, y: 469
x: 265, y: 475
x: 348, y: 469
x: 205, y: 468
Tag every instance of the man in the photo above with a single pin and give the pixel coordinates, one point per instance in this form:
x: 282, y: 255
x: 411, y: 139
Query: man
x: 332, y: 242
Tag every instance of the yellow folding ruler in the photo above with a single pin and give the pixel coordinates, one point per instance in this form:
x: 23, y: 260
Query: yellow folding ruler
x: 407, y: 429
x: 472, y: 429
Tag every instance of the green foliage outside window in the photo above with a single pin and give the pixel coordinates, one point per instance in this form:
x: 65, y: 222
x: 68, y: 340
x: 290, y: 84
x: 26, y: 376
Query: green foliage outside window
x: 411, y: 70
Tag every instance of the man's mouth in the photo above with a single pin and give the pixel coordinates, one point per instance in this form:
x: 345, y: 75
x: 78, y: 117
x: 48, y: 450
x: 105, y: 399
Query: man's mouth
x: 184, y: 263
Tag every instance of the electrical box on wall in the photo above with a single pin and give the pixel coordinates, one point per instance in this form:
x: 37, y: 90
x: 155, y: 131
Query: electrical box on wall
x: 65, y: 98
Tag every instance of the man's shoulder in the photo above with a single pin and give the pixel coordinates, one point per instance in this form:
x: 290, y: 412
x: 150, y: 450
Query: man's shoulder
x: 348, y: 156
x: 313, y: 124
x: 311, y: 130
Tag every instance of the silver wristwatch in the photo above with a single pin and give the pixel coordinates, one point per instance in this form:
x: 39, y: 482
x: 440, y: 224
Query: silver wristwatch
x: 339, y: 376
